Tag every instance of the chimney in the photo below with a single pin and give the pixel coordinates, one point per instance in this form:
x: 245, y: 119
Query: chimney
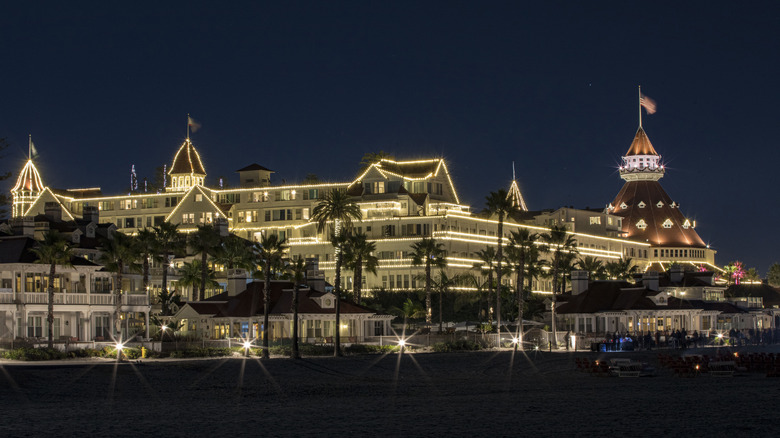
x: 236, y: 281
x: 221, y: 225
x: 53, y: 211
x: 315, y: 278
x: 650, y: 280
x: 676, y: 273
x: 23, y: 226
x: 579, y: 282
x: 91, y: 213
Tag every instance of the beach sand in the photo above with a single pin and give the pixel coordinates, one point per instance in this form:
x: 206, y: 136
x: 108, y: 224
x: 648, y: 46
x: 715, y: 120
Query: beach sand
x: 453, y: 394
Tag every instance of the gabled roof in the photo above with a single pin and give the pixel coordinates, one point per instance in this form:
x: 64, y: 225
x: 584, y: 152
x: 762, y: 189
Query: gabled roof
x: 239, y: 306
x: 187, y: 161
x: 516, y: 197
x: 606, y: 296
x: 641, y: 144
x: 642, y: 200
x: 253, y: 166
x: 413, y: 170
x: 16, y: 249
x: 770, y: 295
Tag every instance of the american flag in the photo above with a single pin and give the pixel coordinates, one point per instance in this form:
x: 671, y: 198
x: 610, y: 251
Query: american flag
x: 195, y: 125
x: 648, y: 103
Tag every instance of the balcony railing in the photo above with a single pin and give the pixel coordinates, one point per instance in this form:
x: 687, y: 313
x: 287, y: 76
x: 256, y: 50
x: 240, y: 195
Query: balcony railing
x: 75, y: 299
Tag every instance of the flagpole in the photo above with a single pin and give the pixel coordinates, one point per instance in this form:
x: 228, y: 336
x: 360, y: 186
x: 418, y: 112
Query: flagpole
x: 188, y: 126
x: 640, y: 106
x: 29, y: 148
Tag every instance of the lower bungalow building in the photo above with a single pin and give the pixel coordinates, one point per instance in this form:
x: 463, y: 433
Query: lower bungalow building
x: 84, y: 301
x: 229, y: 314
x: 671, y: 301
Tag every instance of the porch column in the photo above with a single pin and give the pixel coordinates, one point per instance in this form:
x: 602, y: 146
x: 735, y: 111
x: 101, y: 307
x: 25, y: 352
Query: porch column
x: 146, y: 320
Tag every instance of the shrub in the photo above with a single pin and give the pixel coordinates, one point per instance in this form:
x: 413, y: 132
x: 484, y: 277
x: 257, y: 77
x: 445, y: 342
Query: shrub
x: 370, y: 349
x: 204, y: 352
x: 33, y: 354
x: 459, y: 345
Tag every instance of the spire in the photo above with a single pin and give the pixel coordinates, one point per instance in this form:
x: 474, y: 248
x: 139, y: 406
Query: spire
x: 514, y: 194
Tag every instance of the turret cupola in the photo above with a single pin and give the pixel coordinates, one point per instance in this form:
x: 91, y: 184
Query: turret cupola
x: 641, y: 162
x: 27, y: 189
x: 187, y: 169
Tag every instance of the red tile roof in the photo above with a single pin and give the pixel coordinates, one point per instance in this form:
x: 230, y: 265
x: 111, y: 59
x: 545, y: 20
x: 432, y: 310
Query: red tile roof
x: 650, y: 193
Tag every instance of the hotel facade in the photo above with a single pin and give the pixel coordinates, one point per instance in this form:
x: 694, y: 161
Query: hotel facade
x: 401, y: 202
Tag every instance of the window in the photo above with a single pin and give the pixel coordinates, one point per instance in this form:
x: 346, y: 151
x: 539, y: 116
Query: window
x: 641, y: 204
x: 623, y: 205
x: 378, y: 187
x: 34, y: 326
x: 129, y: 222
x: 188, y: 218
x: 686, y: 224
x: 641, y: 224
x: 660, y: 204
x: 667, y: 223
x: 198, y: 197
x: 595, y: 220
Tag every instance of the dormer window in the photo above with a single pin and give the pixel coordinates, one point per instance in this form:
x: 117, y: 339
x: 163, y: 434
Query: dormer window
x: 660, y: 204
x: 686, y: 224
x: 641, y: 204
x: 623, y: 205
x: 641, y: 224
x: 667, y: 223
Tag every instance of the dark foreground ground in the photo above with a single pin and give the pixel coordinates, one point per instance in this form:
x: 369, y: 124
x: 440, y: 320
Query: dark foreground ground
x: 448, y: 395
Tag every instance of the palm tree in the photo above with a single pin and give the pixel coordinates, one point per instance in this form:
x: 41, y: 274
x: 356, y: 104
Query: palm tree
x: 203, y: 241
x: 298, y: 271
x: 567, y: 265
x: 487, y: 259
x: 521, y: 242
x: 593, y: 266
x: 559, y: 242
x: 372, y: 157
x: 234, y: 252
x: 339, y: 208
x: 623, y: 269
x: 428, y: 252
x: 357, y: 253
x: 409, y: 310
x: 53, y: 250
x: 498, y: 203
x: 147, y: 247
x: 191, y: 274
x: 167, y: 302
x: 169, y: 242
x: 117, y: 253
x: 442, y: 283
x: 270, y: 250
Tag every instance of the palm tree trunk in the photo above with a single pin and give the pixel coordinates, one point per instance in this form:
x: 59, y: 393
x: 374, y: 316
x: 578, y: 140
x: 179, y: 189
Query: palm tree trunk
x: 358, y: 279
x: 499, y: 256
x: 50, y: 314
x: 441, y: 310
x: 490, y: 296
x: 552, y: 306
x: 146, y: 274
x: 165, y: 274
x: 266, y: 306
x: 118, y: 304
x: 337, y: 290
x: 295, y: 354
x: 204, y: 270
x: 520, y: 285
x: 428, y: 310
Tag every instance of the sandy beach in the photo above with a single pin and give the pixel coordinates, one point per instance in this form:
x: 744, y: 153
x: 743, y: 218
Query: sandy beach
x: 454, y: 394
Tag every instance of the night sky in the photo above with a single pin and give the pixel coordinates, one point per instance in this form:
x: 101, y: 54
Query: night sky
x: 310, y: 87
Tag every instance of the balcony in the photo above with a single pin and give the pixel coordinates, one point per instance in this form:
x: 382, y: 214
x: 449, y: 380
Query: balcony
x: 75, y: 299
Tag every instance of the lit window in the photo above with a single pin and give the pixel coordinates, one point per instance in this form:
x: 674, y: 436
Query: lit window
x: 595, y: 220
x: 623, y: 205
x: 641, y: 224
x: 667, y: 223
x: 660, y: 204
x: 686, y: 224
x: 198, y: 198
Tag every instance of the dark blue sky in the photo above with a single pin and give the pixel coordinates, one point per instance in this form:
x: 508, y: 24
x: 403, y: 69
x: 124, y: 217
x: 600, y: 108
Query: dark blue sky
x: 310, y: 87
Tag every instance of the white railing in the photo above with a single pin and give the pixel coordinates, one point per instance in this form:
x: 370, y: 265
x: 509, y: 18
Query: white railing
x: 77, y: 299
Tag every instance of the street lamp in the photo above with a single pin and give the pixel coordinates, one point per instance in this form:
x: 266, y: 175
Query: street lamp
x: 119, y: 347
x: 247, y: 345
